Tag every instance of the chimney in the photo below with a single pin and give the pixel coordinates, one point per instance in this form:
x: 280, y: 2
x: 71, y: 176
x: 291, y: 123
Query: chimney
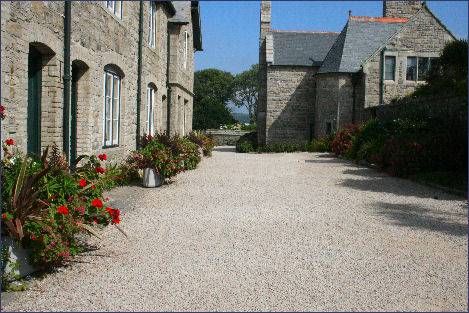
x: 402, y: 9
x: 266, y: 17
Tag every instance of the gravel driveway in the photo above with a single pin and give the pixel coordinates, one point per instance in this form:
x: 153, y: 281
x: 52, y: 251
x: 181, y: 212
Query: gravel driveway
x: 279, y: 232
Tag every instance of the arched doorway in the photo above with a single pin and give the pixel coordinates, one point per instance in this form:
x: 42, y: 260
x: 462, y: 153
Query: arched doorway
x: 79, y: 68
x: 39, y: 55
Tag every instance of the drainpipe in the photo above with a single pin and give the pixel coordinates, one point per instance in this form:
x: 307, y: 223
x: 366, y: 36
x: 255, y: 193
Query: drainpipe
x: 355, y: 78
x: 381, y: 82
x: 139, y: 73
x: 168, y: 87
x: 67, y: 78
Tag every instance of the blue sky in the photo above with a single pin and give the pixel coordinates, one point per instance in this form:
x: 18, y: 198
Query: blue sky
x: 230, y: 29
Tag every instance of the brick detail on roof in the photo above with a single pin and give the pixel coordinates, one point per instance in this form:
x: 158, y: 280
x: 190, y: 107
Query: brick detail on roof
x: 379, y: 19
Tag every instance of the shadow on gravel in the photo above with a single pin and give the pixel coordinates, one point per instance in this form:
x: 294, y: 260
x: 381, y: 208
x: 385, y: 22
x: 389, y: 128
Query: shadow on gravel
x: 225, y: 149
x: 396, y: 186
x: 414, y: 216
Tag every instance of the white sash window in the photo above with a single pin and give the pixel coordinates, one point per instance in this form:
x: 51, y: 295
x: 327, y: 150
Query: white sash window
x: 111, y: 116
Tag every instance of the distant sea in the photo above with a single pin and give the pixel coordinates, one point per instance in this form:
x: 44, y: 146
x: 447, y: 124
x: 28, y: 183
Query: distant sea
x: 241, y: 117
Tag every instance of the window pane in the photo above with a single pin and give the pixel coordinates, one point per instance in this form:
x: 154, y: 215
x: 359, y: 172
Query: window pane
x: 110, y: 5
x: 411, y: 73
x: 118, y: 8
x: 115, y: 110
x: 424, y: 67
x: 389, y: 67
x: 107, y: 107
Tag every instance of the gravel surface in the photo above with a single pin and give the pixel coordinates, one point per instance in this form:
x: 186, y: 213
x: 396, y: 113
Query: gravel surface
x: 279, y: 232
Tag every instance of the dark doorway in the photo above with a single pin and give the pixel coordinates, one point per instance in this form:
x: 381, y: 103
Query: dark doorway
x: 34, y: 101
x: 78, y: 69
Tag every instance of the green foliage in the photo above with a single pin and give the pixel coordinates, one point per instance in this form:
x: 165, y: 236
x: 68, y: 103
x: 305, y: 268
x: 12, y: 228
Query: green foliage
x: 245, y: 147
x: 205, y: 142
x: 247, y: 143
x: 156, y: 155
x: 321, y: 145
x: 213, y: 89
x: 45, y: 204
x: 246, y: 90
x: 283, y: 147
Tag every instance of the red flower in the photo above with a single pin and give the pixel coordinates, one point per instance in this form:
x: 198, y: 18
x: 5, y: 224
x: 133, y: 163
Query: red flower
x: 100, y: 170
x: 97, y: 203
x: 115, y: 215
x: 2, y: 112
x: 4, y: 216
x: 33, y: 237
x: 80, y: 210
x: 102, y: 157
x: 82, y: 182
x: 93, y: 187
x: 10, y: 142
x: 62, y: 210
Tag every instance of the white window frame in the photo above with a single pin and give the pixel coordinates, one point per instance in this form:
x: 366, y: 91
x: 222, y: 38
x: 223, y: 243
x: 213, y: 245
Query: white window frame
x: 150, y: 116
x: 186, y: 41
x: 111, y: 142
x: 114, y: 8
x: 152, y: 25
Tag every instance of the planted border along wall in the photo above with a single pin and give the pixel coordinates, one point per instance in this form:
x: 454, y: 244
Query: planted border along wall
x: 448, y: 108
x: 225, y: 137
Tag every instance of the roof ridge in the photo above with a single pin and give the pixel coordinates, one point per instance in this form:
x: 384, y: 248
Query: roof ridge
x: 303, y: 31
x: 379, y: 19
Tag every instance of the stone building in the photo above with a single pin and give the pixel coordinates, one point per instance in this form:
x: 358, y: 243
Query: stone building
x: 131, y: 73
x: 313, y: 83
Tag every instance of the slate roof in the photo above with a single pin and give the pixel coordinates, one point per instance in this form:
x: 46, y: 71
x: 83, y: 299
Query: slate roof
x: 359, y: 39
x: 301, y: 48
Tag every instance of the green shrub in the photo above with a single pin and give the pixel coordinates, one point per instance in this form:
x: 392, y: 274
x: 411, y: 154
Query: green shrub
x: 249, y: 139
x: 320, y: 145
x: 245, y: 147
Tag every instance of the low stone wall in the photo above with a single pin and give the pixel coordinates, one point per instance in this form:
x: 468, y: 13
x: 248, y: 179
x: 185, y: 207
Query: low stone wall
x: 225, y: 137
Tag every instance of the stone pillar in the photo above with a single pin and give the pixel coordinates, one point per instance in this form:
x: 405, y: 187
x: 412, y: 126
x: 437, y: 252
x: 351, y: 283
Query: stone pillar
x: 265, y: 29
x: 402, y: 9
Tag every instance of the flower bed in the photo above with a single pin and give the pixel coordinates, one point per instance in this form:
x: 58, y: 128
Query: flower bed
x: 46, y: 204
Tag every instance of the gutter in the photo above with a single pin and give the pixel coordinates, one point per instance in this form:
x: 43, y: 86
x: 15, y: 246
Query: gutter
x: 67, y: 79
x: 381, y: 81
x: 168, y: 85
x: 139, y: 73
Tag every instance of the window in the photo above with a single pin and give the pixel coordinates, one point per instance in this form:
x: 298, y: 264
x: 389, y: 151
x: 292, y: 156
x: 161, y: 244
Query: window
x: 186, y: 40
x: 418, y: 68
x: 115, y: 7
x: 425, y: 66
x: 150, y: 123
x: 411, y: 73
x: 152, y: 25
x: 389, y: 67
x: 112, y: 99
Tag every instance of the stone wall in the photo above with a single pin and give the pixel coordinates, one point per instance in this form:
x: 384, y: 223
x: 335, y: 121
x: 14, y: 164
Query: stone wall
x: 334, y: 103
x: 98, y: 38
x: 398, y: 9
x: 290, y: 101
x: 424, y: 36
x: 181, y: 79
x: 225, y: 137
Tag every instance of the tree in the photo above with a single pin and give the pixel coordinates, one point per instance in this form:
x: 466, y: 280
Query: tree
x: 246, y: 91
x: 213, y: 89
